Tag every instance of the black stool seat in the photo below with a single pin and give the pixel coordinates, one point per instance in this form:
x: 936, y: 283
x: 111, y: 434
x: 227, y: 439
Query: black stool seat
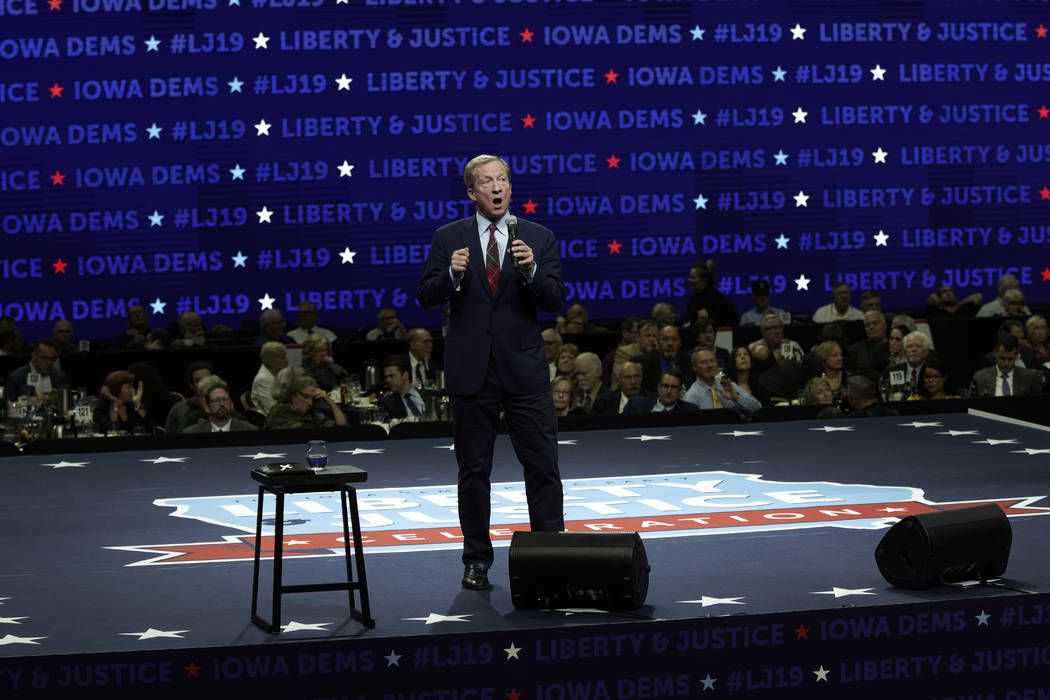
x: 302, y: 481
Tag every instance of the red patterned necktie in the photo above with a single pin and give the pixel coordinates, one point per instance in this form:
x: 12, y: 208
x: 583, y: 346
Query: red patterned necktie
x: 492, y: 260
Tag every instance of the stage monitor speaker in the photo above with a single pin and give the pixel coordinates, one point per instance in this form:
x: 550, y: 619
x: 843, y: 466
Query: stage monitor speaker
x: 946, y: 546
x: 578, y: 569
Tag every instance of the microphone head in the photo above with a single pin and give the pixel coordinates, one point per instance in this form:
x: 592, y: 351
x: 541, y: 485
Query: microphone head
x: 511, y: 220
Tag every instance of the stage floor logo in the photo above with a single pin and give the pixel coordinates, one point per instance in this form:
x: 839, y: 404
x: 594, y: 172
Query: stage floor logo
x: 655, y: 505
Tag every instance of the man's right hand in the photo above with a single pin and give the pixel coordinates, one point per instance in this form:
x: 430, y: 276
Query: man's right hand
x: 460, y: 260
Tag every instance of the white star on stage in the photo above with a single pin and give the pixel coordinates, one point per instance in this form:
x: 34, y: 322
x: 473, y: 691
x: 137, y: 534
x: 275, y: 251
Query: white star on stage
x: 706, y: 601
x: 12, y: 620
x: 709, y: 682
x: 741, y: 433
x: 512, y: 652
x: 237, y: 172
x: 264, y: 215
x: 841, y: 592
x: 802, y: 283
x: 162, y: 460
x: 292, y: 543
x: 954, y: 433
x: 261, y: 41
x: 822, y: 673
x: 154, y: 131
x: 889, y: 509
x: 3, y: 599
x: 982, y: 619
x: 700, y: 201
x: 445, y: 447
x: 436, y: 617
x: 262, y: 128
x: 780, y: 157
x: 152, y: 44
x: 879, y: 155
x: 1031, y: 451
x: 782, y: 242
x: 264, y: 455
x: 12, y: 639
x: 158, y: 306
x: 993, y: 441
x: 800, y: 115
x: 61, y: 465
x: 798, y: 32
x: 647, y: 438
x: 567, y: 442
x: 347, y: 255
x: 878, y: 72
x: 392, y: 659
x: 154, y: 633
x: 363, y: 451
x: 294, y: 626
x: 778, y: 75
x: 345, y: 169
x: 699, y: 117
x: 880, y: 239
x: 834, y: 428
x: 235, y: 84
x: 920, y: 424
x: 155, y: 218
x: 697, y: 32
x: 238, y: 259
x: 266, y: 302
x: 801, y: 199
x: 343, y: 82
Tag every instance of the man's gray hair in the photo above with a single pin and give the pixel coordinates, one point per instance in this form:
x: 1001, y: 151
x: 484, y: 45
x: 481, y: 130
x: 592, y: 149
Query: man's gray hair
x: 475, y: 163
x: 212, y: 381
x: 926, y: 342
x: 593, y: 362
x: 271, y: 351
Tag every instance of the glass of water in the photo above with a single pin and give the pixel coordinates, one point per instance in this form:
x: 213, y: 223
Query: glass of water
x: 317, y: 454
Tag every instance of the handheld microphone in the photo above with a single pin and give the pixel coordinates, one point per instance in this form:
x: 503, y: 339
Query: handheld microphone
x: 512, y: 235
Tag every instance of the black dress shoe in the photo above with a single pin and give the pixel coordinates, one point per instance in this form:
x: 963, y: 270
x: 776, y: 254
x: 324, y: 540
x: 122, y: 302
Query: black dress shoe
x: 476, y: 578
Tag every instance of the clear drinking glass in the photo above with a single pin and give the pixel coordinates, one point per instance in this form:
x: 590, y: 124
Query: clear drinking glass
x: 317, y: 454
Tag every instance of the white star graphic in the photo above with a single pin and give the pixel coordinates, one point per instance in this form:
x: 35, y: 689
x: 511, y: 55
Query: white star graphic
x: 262, y: 128
x: 152, y: 44
x: 697, y: 32
x: 801, y: 199
x: 12, y: 620
x: 741, y: 433
x: 261, y: 41
x: 955, y: 433
x: 780, y: 157
x: 235, y: 84
x: 567, y: 442
x: 158, y: 306
x: 512, y: 652
x: 238, y: 259
x: 709, y: 682
x: 363, y: 451
x: 699, y: 117
x: 700, y: 201
x: 707, y: 601
x: 880, y: 239
x: 822, y: 673
x: 778, y: 75
x: 154, y: 131
x: 878, y: 72
x: 294, y: 626
x: 164, y: 460
x: 841, y: 592
x: 436, y: 617
x: 782, y: 242
x: 154, y: 633
x: 1031, y: 451
x: 445, y: 447
x: 879, y: 155
x: 12, y: 639
x: 264, y: 215
x: 982, y: 619
x: 265, y: 455
x: 800, y: 115
x: 62, y: 465
x: 889, y: 509
x: 343, y: 82
x: 231, y: 3
x: 3, y: 599
x: 347, y: 255
x: 266, y: 302
x: 155, y: 218
x: 834, y: 428
x: 292, y: 543
x: 798, y: 32
x: 345, y: 169
x: 392, y: 659
x: 993, y: 441
x: 921, y: 424
x: 237, y: 172
x: 802, y: 283
x: 647, y: 438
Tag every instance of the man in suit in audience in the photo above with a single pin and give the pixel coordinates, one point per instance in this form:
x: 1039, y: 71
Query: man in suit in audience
x: 1006, y: 379
x: 668, y: 355
x: 306, y: 315
x: 404, y: 399
x: 710, y: 392
x: 195, y: 372
x: 40, y: 376
x: 668, y: 397
x: 612, y: 402
x: 422, y: 366
x: 218, y: 409
x: 588, y: 375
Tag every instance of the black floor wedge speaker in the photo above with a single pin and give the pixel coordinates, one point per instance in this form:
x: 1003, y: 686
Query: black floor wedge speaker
x: 578, y: 569
x: 946, y: 546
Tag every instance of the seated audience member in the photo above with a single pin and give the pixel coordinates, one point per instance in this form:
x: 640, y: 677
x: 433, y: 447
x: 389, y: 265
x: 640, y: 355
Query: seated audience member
x: 38, y: 378
x: 156, y: 398
x: 665, y: 315
x: 565, y: 362
x: 1038, y: 338
x: 271, y: 329
x: 839, y: 309
x: 404, y: 399
x: 218, y: 410
x: 874, y: 351
x: 942, y: 304
x: 119, y: 404
x: 552, y: 343
x: 870, y: 301
x: 706, y: 301
x: 628, y: 336
x: 10, y: 343
x: 895, y: 345
x: 705, y: 340
x: 629, y: 382
x: 740, y: 371
x: 564, y: 396
x: 760, y: 297
x: 668, y: 355
x: 318, y: 363
x: 1026, y: 355
x: 668, y: 397
x: 274, y: 358
x: 917, y: 347
x: 648, y: 340
x: 1014, y: 305
x: 780, y: 378
x: 576, y: 320
x: 298, y: 398
x: 423, y: 366
x: 137, y: 334
x: 933, y: 381
x: 1005, y: 378
x: 817, y: 392
x: 773, y: 338
x: 835, y: 332
x: 176, y: 419
x: 830, y: 354
x: 863, y: 398
x: 62, y: 334
x: 998, y: 306
x: 711, y: 391
x: 587, y: 374
x: 191, y: 331
x: 389, y: 328
x: 306, y: 317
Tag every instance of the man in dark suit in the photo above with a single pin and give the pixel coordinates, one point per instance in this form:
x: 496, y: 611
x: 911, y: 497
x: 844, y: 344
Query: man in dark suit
x: 40, y: 376
x: 668, y: 397
x: 494, y: 353
x: 423, y: 368
x: 610, y: 403
x: 1005, y: 379
x: 218, y: 408
x: 667, y: 355
x: 404, y: 399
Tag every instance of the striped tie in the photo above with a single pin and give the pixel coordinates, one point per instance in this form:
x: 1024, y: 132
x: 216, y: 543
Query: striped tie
x: 492, y: 260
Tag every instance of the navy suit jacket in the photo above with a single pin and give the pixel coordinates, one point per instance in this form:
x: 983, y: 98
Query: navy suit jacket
x: 503, y: 326
x: 644, y: 404
x: 17, y: 380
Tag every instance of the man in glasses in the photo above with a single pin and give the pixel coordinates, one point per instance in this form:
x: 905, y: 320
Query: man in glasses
x: 40, y: 377
x: 668, y: 397
x: 218, y: 407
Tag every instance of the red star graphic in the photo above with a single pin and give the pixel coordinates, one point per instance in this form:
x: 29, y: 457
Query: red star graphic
x: 614, y: 247
x: 56, y: 90
x: 193, y: 670
x: 60, y: 266
x: 54, y: 5
x: 58, y: 178
x: 802, y: 632
x: 1044, y: 113
x: 611, y: 76
x: 513, y: 694
x: 528, y: 121
x: 1046, y: 274
x: 1040, y: 32
x: 526, y: 36
x: 613, y: 161
x: 1044, y: 193
x: 530, y: 206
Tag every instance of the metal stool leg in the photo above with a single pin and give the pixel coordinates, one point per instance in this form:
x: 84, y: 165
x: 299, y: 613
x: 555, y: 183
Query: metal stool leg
x: 278, y: 558
x: 255, y: 569
x: 359, y: 555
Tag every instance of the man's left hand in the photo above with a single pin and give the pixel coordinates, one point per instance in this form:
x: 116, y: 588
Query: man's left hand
x: 523, y: 254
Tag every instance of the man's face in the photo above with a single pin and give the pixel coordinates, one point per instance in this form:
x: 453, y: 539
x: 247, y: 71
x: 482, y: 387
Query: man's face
x: 387, y: 320
x: 629, y: 334
x: 587, y: 377
x: 43, y: 358
x: 307, y: 316
x: 841, y: 295
x: 64, y: 334
x: 274, y: 327
x: 915, y: 351
x: 219, y: 405
x: 871, y: 303
x: 194, y: 324
x: 1013, y: 308
x: 1005, y: 359
x: 422, y: 345
x: 491, y: 190
x: 670, y: 341
x: 551, y: 346
x: 197, y: 376
x: 706, y: 337
x: 397, y: 380
x: 773, y: 332
x: 648, y: 337
x: 761, y: 300
x: 946, y: 295
x: 875, y: 329
x: 630, y: 379
x: 669, y: 389
x: 706, y: 366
